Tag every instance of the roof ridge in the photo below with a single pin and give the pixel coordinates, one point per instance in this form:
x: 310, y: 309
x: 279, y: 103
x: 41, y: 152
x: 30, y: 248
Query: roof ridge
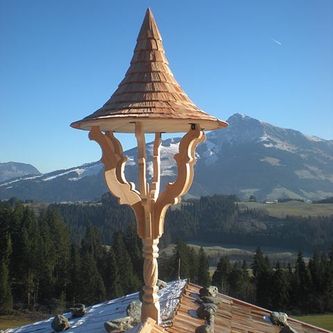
x: 320, y: 329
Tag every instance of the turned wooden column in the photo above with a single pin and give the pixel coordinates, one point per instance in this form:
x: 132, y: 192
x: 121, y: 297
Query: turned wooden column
x: 151, y: 305
x: 147, y: 203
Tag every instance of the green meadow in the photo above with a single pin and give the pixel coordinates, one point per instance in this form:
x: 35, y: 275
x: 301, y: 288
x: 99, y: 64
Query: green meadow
x: 323, y: 321
x: 291, y: 208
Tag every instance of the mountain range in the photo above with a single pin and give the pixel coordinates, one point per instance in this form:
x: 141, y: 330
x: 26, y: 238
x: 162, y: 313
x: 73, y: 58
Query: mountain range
x: 250, y: 157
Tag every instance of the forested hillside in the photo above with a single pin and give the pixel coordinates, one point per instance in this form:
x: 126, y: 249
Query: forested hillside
x: 48, y: 265
x: 42, y: 269
x: 217, y: 219
x: 297, y: 289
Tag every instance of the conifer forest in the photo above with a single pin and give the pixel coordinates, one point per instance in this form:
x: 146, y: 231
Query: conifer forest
x: 62, y: 254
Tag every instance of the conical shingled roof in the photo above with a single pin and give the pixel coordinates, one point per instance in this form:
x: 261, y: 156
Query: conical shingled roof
x: 149, y: 93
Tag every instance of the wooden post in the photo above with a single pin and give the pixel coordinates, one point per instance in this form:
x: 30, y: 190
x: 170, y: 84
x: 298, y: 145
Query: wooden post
x: 148, y: 204
x: 150, y: 303
x: 150, y: 300
x: 140, y: 137
x: 155, y: 184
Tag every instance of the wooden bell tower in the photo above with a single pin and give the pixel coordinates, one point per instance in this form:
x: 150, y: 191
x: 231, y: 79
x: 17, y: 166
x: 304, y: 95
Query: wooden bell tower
x: 148, y: 100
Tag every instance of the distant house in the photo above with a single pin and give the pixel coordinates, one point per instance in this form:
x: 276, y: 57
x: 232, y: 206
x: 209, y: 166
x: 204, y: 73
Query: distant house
x: 271, y: 202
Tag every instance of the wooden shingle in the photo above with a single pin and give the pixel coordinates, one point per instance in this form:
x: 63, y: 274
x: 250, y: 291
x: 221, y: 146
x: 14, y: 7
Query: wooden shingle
x: 149, y: 80
x: 232, y: 316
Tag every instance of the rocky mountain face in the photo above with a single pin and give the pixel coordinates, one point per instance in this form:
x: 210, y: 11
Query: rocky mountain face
x: 254, y: 157
x: 250, y: 157
x: 11, y: 170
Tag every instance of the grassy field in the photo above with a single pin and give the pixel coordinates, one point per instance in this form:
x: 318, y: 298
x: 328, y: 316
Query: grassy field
x: 19, y: 319
x: 292, y: 208
x: 237, y: 253
x: 324, y: 321
x: 12, y: 321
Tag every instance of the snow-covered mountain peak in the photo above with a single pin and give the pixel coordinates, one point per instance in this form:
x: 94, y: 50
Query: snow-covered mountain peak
x: 249, y: 154
x: 239, y: 117
x: 241, y: 129
x: 314, y: 138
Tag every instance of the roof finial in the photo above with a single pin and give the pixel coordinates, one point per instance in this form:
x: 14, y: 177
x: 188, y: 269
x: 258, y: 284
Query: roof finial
x: 149, y: 27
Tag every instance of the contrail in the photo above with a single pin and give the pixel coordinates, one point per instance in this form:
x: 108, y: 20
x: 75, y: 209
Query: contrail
x: 276, y: 41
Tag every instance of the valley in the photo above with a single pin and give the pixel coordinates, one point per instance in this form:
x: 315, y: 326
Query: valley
x: 256, y: 186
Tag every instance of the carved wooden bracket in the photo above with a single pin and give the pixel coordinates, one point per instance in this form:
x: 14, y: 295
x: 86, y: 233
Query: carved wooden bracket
x: 114, y: 165
x: 185, y: 162
x: 149, y: 206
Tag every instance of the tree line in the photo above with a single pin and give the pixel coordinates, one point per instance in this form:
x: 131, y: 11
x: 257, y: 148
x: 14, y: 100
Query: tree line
x: 219, y: 219
x: 299, y: 289
x: 302, y: 288
x: 44, y: 267
x: 41, y: 268
x: 66, y: 254
x: 211, y: 219
x: 186, y: 263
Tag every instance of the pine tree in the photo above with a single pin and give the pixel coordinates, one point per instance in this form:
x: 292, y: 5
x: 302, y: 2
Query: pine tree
x: 262, y: 277
x: 74, y: 287
x: 279, y: 289
x: 130, y: 281
x: 193, y: 259
x: 6, y: 299
x: 91, y: 282
x: 328, y: 295
x: 91, y: 242
x: 134, y: 248
x: 220, y: 276
x: 46, y: 261
x: 203, y: 272
x: 30, y: 251
x: 18, y: 262
x: 317, y: 271
x: 259, y: 262
x: 180, y: 262
x: 249, y: 290
x: 111, y: 276
x: 61, y: 246
x: 240, y: 284
x: 302, y: 284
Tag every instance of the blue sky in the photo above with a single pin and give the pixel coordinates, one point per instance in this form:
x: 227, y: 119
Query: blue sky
x: 60, y: 60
